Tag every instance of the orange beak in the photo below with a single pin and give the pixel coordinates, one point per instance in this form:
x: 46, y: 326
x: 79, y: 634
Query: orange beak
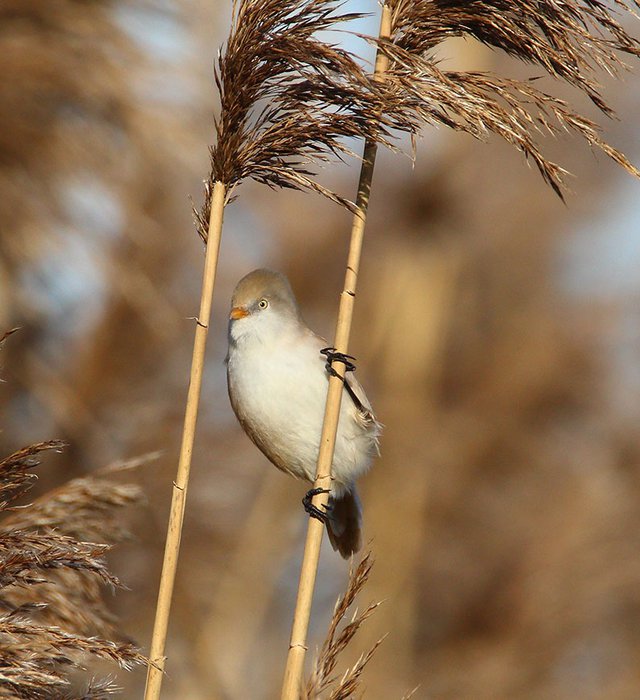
x: 238, y: 312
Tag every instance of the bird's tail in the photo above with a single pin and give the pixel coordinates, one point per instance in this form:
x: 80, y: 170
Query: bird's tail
x: 344, y: 524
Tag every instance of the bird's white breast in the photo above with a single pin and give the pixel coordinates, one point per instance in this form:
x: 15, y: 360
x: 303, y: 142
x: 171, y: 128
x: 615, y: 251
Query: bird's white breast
x: 278, y: 388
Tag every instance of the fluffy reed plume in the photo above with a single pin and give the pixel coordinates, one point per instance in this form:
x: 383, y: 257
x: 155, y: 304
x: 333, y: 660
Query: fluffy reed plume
x: 323, y: 682
x: 50, y: 580
x: 288, y: 99
x: 570, y: 41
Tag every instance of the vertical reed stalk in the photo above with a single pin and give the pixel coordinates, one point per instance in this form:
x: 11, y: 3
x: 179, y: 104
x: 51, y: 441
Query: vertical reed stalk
x: 297, y: 645
x: 172, y: 546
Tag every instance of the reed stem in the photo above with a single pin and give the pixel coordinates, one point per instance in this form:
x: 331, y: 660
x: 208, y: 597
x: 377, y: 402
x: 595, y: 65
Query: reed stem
x: 157, y: 658
x: 297, y: 645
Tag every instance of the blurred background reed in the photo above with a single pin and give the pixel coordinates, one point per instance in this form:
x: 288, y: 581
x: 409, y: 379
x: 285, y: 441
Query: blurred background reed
x: 496, y: 330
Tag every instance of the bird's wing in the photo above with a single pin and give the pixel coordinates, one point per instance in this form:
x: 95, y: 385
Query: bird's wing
x: 360, y: 400
x: 355, y: 391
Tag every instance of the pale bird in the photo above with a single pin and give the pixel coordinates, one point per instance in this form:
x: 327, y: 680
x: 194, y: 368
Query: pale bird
x: 278, y: 387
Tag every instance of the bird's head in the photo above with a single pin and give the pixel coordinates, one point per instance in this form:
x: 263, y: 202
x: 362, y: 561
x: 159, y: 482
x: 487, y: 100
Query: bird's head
x: 262, y: 304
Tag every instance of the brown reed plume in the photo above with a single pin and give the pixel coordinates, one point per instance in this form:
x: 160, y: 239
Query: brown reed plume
x: 323, y: 681
x: 571, y: 42
x: 51, y: 608
x: 313, y: 95
x: 288, y: 99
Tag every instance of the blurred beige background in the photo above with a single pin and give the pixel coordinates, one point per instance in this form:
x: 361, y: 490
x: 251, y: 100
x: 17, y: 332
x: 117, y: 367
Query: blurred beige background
x: 496, y: 330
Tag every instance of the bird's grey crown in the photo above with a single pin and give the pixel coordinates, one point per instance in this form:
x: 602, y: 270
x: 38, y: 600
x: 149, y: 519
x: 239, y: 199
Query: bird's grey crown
x: 269, y: 285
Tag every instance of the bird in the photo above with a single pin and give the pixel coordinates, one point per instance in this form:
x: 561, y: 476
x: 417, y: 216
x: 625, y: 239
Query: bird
x: 277, y: 380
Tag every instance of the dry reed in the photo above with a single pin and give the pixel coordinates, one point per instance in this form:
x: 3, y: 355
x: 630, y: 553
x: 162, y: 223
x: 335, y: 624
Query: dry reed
x: 323, y: 681
x: 297, y: 645
x: 155, y: 667
x: 287, y: 100
x: 53, y: 617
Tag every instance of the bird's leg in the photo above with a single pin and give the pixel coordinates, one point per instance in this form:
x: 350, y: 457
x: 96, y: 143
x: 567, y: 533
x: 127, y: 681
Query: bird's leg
x: 314, y: 511
x: 349, y: 366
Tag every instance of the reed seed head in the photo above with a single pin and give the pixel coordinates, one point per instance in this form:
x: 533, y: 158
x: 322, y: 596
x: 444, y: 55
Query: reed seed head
x: 570, y: 41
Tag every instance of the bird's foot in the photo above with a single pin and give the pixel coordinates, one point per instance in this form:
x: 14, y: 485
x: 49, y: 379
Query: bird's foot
x: 314, y: 511
x: 333, y: 355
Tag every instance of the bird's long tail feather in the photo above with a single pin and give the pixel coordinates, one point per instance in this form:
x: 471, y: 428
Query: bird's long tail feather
x: 344, y: 524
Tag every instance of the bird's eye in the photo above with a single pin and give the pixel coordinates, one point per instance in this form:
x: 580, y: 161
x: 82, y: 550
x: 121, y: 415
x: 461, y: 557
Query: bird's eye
x: 263, y: 303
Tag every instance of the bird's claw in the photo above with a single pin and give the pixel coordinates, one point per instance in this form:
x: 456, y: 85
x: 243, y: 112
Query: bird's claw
x: 348, y: 361
x: 313, y: 511
x: 333, y: 355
